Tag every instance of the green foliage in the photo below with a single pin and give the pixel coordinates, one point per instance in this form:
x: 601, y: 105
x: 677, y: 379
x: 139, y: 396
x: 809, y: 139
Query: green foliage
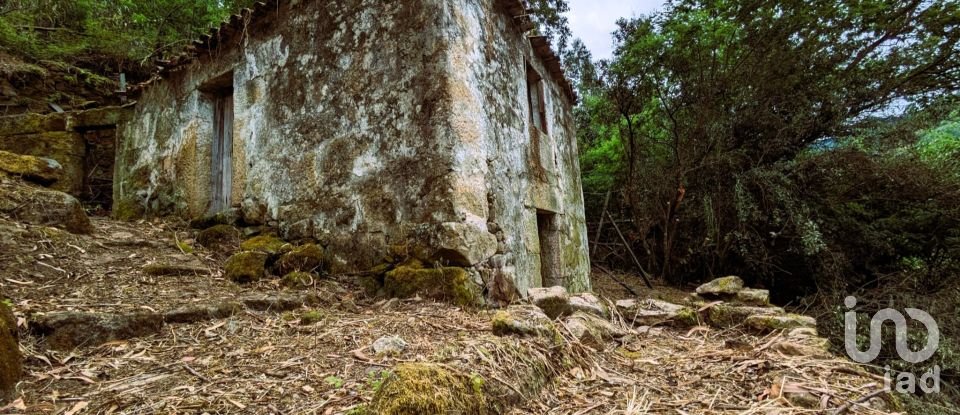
x: 107, y: 33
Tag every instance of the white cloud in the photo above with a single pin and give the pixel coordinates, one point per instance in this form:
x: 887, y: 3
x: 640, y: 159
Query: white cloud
x: 593, y: 21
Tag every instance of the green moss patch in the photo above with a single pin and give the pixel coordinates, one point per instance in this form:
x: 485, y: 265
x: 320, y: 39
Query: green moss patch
x: 267, y: 244
x: 444, y: 284
x: 306, y: 258
x: 424, y: 388
x: 35, y: 169
x: 246, y: 267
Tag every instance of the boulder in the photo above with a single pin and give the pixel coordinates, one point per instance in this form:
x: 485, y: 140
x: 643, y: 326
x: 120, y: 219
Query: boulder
x: 306, y: 258
x: 443, y: 284
x: 10, y: 366
x: 219, y: 238
x: 652, y: 312
x: 389, y: 346
x: 525, y: 321
x: 196, y: 313
x: 464, y: 245
x: 68, y: 330
x: 726, y: 316
x: 753, y: 297
x: 766, y: 323
x: 554, y: 301
x: 588, y: 303
x: 721, y: 288
x: 245, y: 267
x: 35, y: 169
x: 45, y: 207
x: 591, y: 330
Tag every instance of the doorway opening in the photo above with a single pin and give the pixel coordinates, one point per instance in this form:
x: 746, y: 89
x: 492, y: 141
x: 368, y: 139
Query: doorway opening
x: 219, y: 92
x: 549, y: 235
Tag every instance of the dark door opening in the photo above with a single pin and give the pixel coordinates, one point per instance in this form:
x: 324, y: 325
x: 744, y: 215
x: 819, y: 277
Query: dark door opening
x: 222, y: 155
x: 549, y: 234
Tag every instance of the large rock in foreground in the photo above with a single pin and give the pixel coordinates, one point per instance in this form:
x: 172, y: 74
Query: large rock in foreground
x: 35, y: 169
x: 426, y: 388
x: 10, y: 368
x: 46, y: 207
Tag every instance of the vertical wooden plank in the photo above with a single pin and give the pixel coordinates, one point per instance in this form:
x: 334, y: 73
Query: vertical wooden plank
x: 216, y: 158
x: 226, y: 182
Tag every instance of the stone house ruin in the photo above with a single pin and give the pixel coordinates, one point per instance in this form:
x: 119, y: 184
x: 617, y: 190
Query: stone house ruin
x: 435, y: 125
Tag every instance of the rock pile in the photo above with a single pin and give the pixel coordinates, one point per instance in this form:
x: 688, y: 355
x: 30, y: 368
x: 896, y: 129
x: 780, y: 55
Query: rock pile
x: 23, y: 196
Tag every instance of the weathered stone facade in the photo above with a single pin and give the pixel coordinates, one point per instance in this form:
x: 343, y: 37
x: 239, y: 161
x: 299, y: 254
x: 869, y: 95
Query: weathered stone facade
x: 369, y: 126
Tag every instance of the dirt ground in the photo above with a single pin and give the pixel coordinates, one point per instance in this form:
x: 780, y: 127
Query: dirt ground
x: 268, y: 362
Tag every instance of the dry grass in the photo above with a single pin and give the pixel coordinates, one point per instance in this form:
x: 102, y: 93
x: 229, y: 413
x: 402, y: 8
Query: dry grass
x: 263, y: 362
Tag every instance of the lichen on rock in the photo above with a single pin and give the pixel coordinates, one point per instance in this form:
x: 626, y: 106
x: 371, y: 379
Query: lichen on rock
x: 527, y: 321
x: 425, y: 388
x: 444, y: 284
x: 35, y: 169
x: 245, y: 267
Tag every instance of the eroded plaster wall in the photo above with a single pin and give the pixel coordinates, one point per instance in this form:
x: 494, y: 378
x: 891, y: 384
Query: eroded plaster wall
x: 517, y: 170
x: 368, y: 124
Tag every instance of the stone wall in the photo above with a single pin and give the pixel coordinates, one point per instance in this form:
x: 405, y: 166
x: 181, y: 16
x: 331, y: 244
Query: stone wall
x: 370, y: 126
x: 82, y: 142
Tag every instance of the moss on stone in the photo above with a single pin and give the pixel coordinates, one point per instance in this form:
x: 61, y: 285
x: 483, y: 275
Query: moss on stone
x: 219, y: 237
x: 10, y: 366
x: 246, y: 267
x: 298, y: 280
x: 307, y: 258
x: 311, y: 317
x: 267, y: 244
x: 35, y: 169
x: 445, y: 284
x: 424, y: 388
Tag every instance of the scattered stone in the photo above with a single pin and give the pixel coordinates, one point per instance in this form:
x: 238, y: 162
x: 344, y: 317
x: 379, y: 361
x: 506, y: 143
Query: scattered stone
x: 426, y: 388
x: 591, y: 330
x: 554, y: 301
x: 10, y: 366
x: 306, y: 258
x: 721, y: 288
x: 219, y: 237
x: 753, y: 297
x: 442, y: 284
x: 245, y: 267
x: 464, y: 245
x: 267, y: 244
x: 726, y: 316
x: 588, y: 303
x: 524, y: 320
x: 46, y: 207
x: 175, y: 270
x: 298, y: 280
x: 766, y: 323
x: 389, y: 346
x: 68, y: 330
x: 228, y: 217
x: 279, y: 303
x: 38, y: 170
x: 196, y: 313
x: 653, y: 312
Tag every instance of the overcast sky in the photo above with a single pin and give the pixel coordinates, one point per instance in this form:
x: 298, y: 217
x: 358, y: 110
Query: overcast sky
x: 594, y: 20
